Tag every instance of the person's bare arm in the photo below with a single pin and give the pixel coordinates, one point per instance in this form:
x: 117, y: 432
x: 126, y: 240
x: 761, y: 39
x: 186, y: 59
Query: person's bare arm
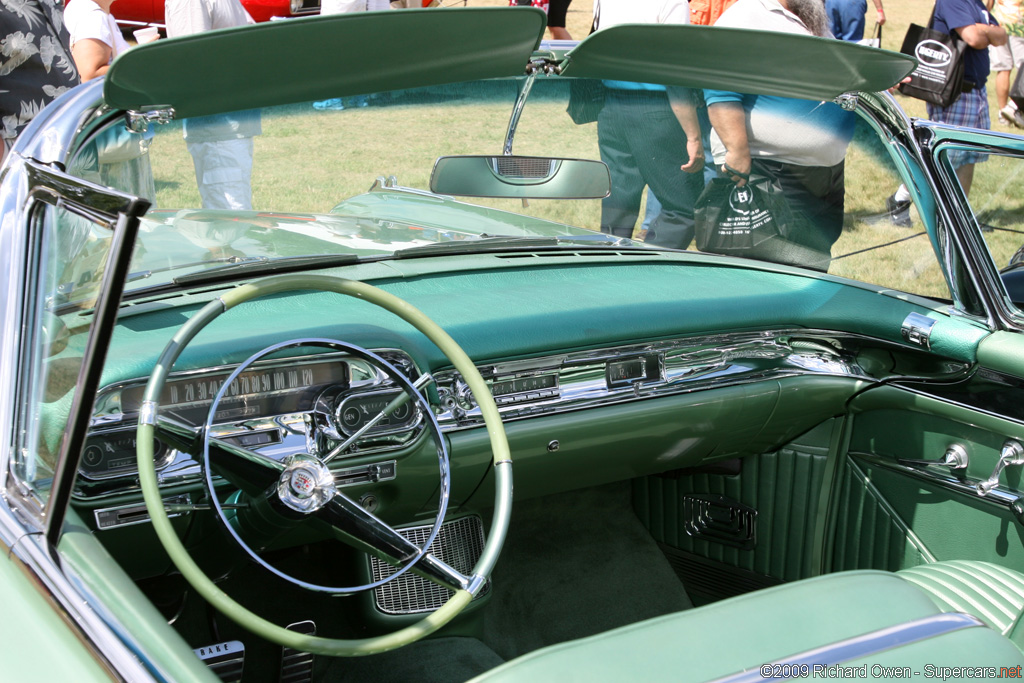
x: 92, y: 57
x: 880, y: 17
x: 730, y: 122
x: 685, y: 109
x: 981, y: 36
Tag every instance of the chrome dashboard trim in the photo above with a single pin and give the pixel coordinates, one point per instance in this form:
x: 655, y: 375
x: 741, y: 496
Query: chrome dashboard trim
x: 683, y: 365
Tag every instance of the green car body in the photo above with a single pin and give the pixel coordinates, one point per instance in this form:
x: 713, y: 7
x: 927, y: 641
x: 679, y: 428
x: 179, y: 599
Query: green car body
x: 201, y: 404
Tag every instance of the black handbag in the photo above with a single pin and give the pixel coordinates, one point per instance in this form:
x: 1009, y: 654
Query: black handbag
x: 1017, y: 90
x: 754, y: 221
x: 939, y: 76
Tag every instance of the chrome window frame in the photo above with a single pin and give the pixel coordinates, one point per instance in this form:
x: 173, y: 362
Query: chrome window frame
x: 909, y: 143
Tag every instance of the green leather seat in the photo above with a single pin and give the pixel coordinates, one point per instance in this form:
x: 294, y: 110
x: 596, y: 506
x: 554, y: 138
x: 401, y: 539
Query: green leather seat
x: 992, y: 593
x: 734, y: 638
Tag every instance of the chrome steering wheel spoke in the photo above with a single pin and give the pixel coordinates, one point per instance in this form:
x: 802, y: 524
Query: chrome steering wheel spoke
x: 371, y: 533
x: 302, y: 484
x: 245, y: 469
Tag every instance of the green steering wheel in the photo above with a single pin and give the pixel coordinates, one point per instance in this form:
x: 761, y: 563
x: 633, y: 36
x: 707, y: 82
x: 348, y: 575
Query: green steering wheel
x: 468, y: 586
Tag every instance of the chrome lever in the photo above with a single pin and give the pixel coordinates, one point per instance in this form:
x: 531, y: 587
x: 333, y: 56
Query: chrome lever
x: 955, y: 458
x: 1011, y: 455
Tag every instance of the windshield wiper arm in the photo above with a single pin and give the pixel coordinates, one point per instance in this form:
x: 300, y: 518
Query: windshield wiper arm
x: 506, y: 242
x: 262, y: 266
x: 143, y: 274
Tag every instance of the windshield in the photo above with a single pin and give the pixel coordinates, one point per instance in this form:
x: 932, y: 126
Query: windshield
x: 352, y: 176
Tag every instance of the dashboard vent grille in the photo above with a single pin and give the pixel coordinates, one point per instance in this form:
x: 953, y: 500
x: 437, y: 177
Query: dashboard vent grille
x: 459, y: 543
x: 526, y: 168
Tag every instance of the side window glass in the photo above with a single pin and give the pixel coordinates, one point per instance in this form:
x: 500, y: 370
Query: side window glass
x: 884, y: 241
x: 996, y: 200
x: 119, y: 158
x: 68, y: 259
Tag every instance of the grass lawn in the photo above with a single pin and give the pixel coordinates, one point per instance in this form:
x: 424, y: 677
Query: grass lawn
x: 351, y: 148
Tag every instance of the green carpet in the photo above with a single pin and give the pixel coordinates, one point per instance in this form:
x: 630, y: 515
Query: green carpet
x: 436, y: 660
x: 576, y: 564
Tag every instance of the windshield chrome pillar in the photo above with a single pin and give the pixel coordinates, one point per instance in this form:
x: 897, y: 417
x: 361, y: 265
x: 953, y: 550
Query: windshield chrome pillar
x: 524, y: 92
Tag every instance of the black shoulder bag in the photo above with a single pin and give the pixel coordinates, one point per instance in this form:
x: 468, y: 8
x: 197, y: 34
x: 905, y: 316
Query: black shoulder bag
x: 939, y: 76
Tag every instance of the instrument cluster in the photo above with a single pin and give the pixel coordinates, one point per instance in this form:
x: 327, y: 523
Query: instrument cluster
x: 280, y: 407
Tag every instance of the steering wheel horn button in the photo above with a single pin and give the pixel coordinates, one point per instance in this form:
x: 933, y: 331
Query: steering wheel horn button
x: 306, y: 484
x: 303, y: 482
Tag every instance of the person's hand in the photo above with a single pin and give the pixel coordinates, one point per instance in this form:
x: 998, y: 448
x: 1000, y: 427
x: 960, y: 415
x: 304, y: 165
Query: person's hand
x: 736, y: 167
x: 880, y: 19
x: 695, y: 149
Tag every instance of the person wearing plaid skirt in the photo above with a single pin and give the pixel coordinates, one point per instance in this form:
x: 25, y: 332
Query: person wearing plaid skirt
x: 976, y: 26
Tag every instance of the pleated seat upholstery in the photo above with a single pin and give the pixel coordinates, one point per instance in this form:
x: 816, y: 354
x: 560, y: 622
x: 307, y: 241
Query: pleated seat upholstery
x: 992, y: 593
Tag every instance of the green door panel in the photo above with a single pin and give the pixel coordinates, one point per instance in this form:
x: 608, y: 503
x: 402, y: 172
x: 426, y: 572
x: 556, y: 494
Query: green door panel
x: 785, y: 487
x: 132, y: 610
x: 949, y: 525
x: 892, y: 515
x: 37, y: 643
x: 894, y: 434
x: 959, y: 419
x: 869, y: 534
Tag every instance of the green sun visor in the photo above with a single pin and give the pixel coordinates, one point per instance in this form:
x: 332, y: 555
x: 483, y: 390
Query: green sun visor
x: 756, y: 62
x: 299, y: 60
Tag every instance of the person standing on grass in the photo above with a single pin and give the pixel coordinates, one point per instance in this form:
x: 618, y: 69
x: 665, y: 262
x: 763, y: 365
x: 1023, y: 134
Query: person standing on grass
x: 649, y: 136
x: 970, y: 20
x: 806, y: 158
x: 847, y: 17
x: 1004, y: 58
x: 557, y: 9
x: 36, y: 63
x: 221, y: 146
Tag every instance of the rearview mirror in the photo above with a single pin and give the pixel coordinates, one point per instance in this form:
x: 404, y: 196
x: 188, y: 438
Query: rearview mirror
x: 519, y: 177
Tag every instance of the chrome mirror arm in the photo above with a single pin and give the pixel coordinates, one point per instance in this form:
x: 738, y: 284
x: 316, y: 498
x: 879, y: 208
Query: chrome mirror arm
x: 524, y: 92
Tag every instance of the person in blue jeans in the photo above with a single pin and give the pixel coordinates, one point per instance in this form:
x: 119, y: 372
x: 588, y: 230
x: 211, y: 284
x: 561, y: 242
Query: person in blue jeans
x: 847, y: 17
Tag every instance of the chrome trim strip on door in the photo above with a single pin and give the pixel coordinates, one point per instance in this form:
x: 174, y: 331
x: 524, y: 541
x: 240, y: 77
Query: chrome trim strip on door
x: 869, y: 486
x: 999, y: 496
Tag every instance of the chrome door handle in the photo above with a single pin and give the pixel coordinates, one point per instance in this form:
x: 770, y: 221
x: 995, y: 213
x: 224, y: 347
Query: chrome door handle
x: 955, y: 458
x: 1011, y: 455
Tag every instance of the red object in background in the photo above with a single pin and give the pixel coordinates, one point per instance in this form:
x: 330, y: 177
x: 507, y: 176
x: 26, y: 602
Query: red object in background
x: 152, y: 11
x: 543, y: 4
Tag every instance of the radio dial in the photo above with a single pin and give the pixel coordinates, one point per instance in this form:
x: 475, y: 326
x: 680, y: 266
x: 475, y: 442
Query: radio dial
x: 464, y: 395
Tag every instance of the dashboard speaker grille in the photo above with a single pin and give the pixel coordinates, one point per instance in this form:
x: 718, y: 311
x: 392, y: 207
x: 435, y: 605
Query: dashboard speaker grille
x: 459, y: 543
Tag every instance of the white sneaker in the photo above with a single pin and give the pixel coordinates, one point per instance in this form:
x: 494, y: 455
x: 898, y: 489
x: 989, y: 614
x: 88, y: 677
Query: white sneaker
x: 1011, y: 116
